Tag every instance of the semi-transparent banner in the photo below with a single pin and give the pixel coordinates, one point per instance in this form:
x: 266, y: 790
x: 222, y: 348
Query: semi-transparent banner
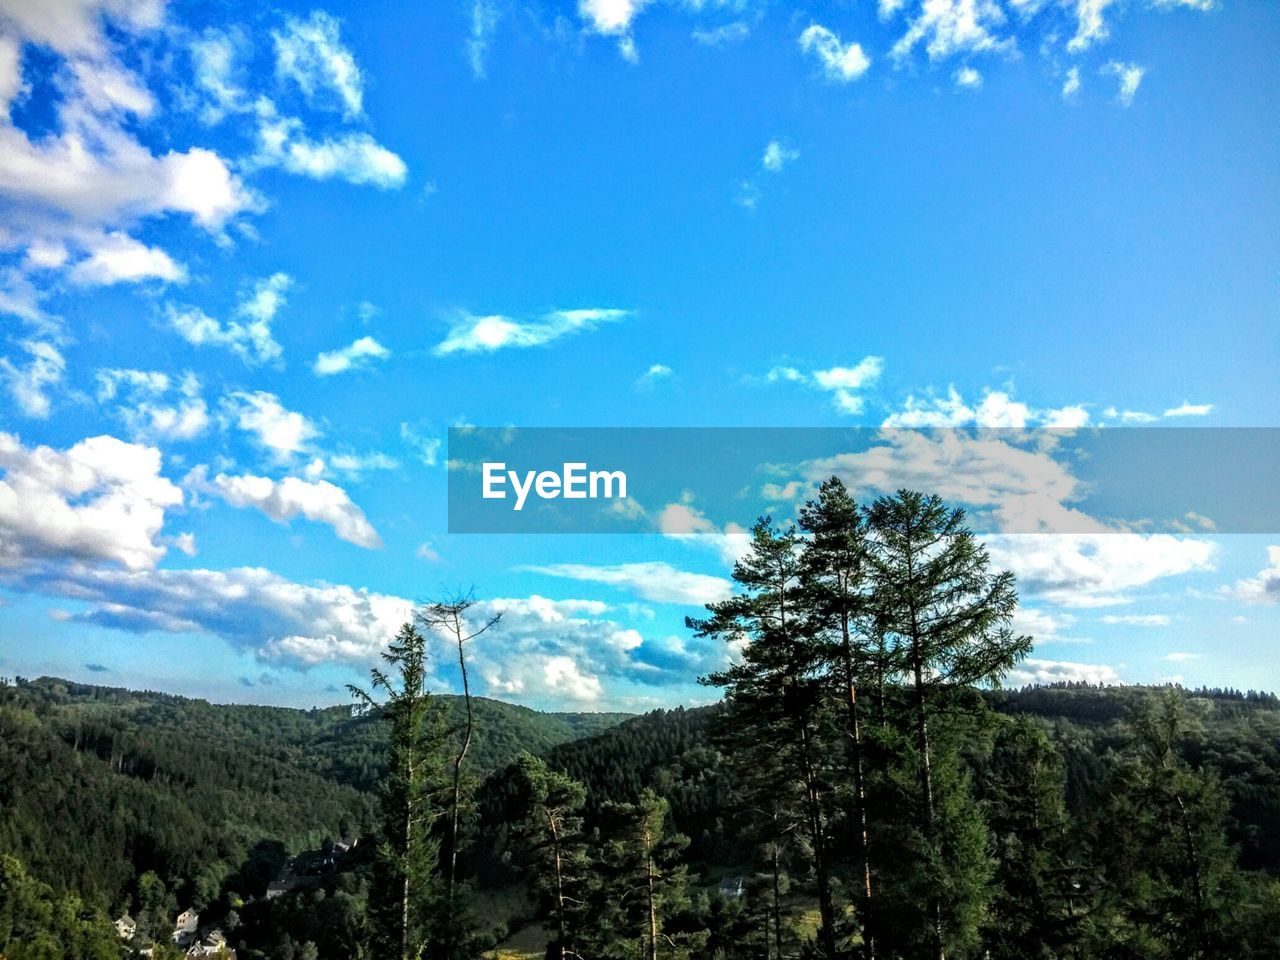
x: 713, y: 480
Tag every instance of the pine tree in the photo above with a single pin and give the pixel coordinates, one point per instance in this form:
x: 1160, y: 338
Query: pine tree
x: 409, y: 891
x: 642, y: 884
x: 947, y: 618
x: 551, y: 845
x: 1163, y: 843
x: 1041, y: 887
x: 774, y: 691
x: 834, y: 567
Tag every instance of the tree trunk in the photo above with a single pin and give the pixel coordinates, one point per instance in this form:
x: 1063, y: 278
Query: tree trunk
x: 456, y: 811
x: 859, y: 792
x: 555, y: 845
x: 926, y: 794
x: 777, y: 905
x: 817, y: 827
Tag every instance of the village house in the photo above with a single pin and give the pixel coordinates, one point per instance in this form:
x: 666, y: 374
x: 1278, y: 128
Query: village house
x: 126, y: 926
x: 185, y: 928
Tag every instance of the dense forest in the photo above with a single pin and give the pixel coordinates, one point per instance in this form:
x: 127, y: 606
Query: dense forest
x: 864, y: 789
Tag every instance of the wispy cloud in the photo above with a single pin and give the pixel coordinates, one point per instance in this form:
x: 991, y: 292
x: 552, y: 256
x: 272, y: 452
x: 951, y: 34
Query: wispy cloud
x: 487, y: 334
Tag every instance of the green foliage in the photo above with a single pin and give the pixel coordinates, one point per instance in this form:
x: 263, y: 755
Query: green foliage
x: 38, y: 924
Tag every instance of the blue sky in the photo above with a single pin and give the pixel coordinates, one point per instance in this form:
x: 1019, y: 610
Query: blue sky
x: 253, y: 265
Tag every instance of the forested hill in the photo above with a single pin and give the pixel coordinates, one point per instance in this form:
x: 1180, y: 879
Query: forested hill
x: 148, y: 803
x: 1236, y: 739
x: 99, y: 785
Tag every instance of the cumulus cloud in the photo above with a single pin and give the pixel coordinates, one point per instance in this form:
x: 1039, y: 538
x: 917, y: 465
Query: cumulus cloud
x: 1034, y: 672
x: 655, y: 581
x: 1187, y: 409
x: 282, y: 500
x: 968, y: 78
x: 311, y: 54
x: 476, y: 334
x: 102, y: 499
x: 85, y: 181
x: 1086, y: 570
x: 841, y: 62
x: 1265, y: 587
x: 997, y: 409
x: 1021, y: 489
x: 278, y: 430
x: 842, y: 383
x: 358, y: 355
x: 153, y: 404
x: 248, y: 334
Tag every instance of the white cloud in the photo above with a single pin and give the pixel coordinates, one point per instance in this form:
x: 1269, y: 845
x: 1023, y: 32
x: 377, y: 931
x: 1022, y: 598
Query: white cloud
x: 1091, y: 27
x: 841, y: 62
x: 101, y: 499
x: 310, y: 53
x: 655, y: 373
x: 427, y: 552
x: 214, y: 55
x: 1180, y: 656
x: 610, y: 17
x: 1032, y: 671
x: 1129, y: 76
x: 357, y: 355
x: 1086, y: 570
x: 968, y: 78
x: 562, y: 675
x: 283, y: 432
x: 777, y: 155
x: 117, y: 257
x: 1071, y: 86
x: 1139, y: 619
x: 1187, y: 409
x: 1265, y: 587
x: 476, y: 334
x: 355, y: 157
x: 249, y: 336
x: 1022, y: 489
x: 997, y: 409
x: 148, y: 410
x: 282, y: 500
x: 28, y: 384
x: 655, y: 581
x: 842, y: 383
x: 950, y: 27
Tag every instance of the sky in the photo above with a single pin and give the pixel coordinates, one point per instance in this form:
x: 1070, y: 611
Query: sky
x: 256, y: 261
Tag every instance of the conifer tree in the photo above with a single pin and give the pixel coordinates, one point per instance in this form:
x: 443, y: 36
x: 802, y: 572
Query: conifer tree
x: 552, y: 847
x: 641, y: 884
x: 409, y: 894
x: 948, y: 619
x: 1041, y: 886
x: 834, y: 568
x: 774, y: 690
